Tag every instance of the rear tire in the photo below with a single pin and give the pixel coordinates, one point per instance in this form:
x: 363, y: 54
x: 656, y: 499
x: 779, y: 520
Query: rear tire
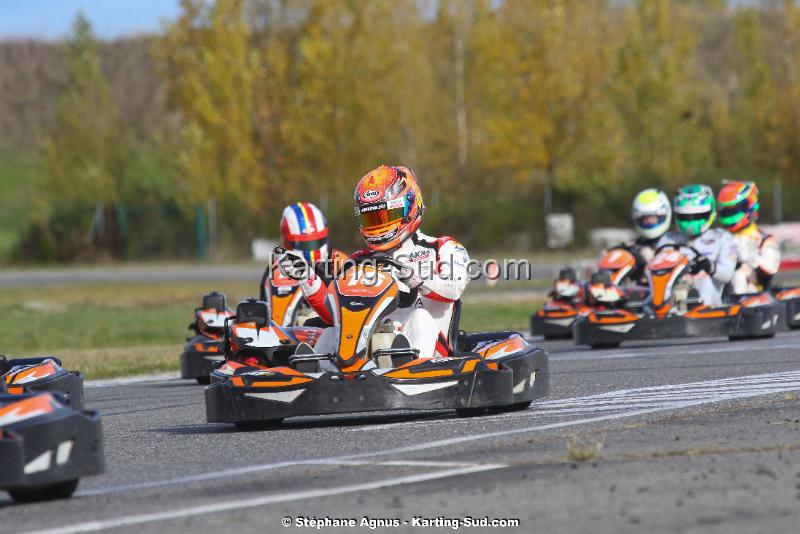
x: 516, y: 407
x: 49, y: 492
x: 254, y: 426
x: 609, y: 345
x: 203, y: 380
x: 471, y: 412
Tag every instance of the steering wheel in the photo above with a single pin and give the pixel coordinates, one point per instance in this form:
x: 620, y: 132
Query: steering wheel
x: 692, y: 259
x: 377, y: 260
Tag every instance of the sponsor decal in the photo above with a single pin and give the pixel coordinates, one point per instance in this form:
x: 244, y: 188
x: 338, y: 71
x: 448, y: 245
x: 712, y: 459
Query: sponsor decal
x: 394, y: 203
x: 373, y: 207
x: 370, y: 194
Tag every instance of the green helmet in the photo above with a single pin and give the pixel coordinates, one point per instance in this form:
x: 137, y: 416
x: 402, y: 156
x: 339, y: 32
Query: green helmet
x: 695, y: 209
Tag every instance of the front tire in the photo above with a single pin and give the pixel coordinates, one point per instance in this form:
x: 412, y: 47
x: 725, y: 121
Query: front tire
x: 254, y: 426
x: 203, y: 380
x: 516, y: 407
x: 471, y: 412
x: 49, y: 492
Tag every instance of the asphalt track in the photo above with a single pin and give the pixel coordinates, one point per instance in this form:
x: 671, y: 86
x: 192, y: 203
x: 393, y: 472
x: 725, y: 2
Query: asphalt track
x: 701, y: 436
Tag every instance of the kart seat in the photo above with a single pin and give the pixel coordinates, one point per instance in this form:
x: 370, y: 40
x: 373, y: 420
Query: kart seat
x: 454, y: 334
x: 252, y: 310
x: 214, y: 301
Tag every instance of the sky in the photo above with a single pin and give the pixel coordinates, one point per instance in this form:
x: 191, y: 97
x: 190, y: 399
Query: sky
x: 52, y: 19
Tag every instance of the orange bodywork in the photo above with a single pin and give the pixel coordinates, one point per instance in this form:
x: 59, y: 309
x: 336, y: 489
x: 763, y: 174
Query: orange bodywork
x: 791, y: 293
x: 32, y: 373
x: 40, y: 404
x: 406, y: 372
x: 707, y: 312
x: 618, y: 262
x: 620, y: 316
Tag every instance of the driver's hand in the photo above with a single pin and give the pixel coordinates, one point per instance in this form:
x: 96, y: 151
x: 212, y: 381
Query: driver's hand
x: 409, y: 277
x: 293, y: 265
x: 702, y: 263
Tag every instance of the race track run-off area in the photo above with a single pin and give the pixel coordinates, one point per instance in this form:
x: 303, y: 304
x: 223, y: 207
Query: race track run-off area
x: 694, y: 436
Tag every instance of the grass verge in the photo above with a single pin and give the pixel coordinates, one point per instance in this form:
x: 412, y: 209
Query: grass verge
x: 111, y: 330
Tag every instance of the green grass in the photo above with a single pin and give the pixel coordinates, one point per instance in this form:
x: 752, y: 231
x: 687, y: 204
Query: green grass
x: 109, y: 330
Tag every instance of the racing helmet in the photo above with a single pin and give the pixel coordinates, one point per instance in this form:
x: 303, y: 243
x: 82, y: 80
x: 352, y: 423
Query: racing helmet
x: 738, y: 205
x: 651, y: 213
x: 303, y: 228
x: 388, y: 206
x: 695, y: 209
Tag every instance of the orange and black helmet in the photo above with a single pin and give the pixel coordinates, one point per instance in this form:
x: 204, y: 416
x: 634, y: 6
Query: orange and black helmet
x: 738, y: 205
x: 388, y: 206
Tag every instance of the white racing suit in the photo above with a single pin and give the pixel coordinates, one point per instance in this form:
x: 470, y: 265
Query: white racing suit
x: 442, y: 265
x: 759, y: 258
x: 718, y: 246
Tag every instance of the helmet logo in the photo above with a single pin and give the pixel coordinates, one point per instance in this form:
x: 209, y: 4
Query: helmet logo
x: 370, y: 194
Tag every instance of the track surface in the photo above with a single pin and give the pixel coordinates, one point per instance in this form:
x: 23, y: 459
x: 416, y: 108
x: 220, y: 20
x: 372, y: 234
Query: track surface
x: 684, y: 449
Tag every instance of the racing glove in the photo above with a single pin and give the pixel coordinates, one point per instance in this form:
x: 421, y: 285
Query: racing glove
x: 409, y: 277
x: 292, y: 264
x: 702, y: 263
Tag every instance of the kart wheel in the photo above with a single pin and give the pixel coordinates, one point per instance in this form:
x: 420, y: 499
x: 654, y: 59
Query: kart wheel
x: 471, y: 412
x: 49, y: 492
x: 516, y: 407
x: 552, y: 337
x: 608, y: 345
x: 252, y: 426
x: 203, y: 380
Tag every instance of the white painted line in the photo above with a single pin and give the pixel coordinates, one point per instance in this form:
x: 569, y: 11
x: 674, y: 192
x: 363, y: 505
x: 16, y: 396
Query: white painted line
x: 216, y: 507
x: 712, y: 391
x: 675, y: 352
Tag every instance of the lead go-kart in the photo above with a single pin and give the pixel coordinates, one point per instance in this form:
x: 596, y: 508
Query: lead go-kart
x: 571, y: 299
x: 674, y: 310
x: 272, y: 372
x: 203, y: 350
x: 47, y: 441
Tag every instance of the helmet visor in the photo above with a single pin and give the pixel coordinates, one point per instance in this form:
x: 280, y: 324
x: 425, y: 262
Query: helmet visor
x: 651, y: 220
x: 688, y: 217
x: 314, y: 244
x: 731, y: 215
x: 375, y: 215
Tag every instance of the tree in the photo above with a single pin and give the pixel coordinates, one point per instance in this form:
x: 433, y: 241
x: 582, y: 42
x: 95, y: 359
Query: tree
x: 658, y: 98
x: 83, y: 157
x: 210, y: 72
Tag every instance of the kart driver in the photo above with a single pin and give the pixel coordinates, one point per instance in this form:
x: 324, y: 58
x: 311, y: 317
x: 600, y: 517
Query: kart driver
x: 651, y: 214
x: 304, y: 229
x: 388, y: 208
x: 759, y: 256
x: 695, y: 211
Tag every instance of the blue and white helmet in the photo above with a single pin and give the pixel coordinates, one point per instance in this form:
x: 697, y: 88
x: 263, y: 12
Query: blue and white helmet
x: 303, y: 228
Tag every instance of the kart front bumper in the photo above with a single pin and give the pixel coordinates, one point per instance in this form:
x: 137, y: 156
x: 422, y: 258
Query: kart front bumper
x: 63, y: 446
x: 199, y: 356
x: 755, y: 322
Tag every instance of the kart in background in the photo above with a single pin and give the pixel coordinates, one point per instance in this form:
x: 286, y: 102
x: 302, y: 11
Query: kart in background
x: 269, y: 375
x: 41, y: 375
x: 789, y: 297
x: 571, y: 298
x: 47, y: 441
x: 204, y: 348
x: 674, y: 310
x: 287, y: 304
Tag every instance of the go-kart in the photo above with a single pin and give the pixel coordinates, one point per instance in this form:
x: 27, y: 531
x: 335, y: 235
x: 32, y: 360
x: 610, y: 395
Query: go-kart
x: 47, y: 441
x: 287, y: 303
x: 204, y: 348
x: 269, y: 375
x: 41, y: 375
x: 674, y: 309
x: 789, y: 297
x: 570, y: 299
